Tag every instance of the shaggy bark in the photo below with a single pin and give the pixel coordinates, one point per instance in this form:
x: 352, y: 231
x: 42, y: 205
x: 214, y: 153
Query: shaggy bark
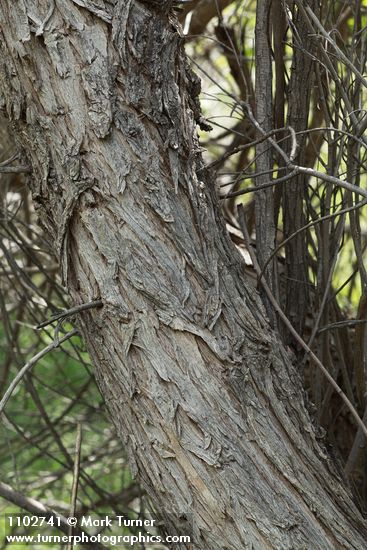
x: 200, y: 390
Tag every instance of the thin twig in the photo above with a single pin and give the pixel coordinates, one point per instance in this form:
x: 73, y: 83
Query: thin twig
x: 74, y: 489
x: 30, y: 364
x: 69, y: 312
x: 343, y: 324
x: 15, y: 169
x: 241, y: 148
x: 9, y: 160
x: 260, y: 187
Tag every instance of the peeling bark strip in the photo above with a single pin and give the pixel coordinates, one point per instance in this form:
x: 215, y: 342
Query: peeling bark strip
x: 200, y: 390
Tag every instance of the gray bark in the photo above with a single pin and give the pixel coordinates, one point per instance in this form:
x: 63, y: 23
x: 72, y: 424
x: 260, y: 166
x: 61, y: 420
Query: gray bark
x: 299, y: 93
x: 264, y: 200
x: 200, y: 389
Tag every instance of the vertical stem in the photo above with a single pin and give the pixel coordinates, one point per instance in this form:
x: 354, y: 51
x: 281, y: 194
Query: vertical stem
x: 74, y: 489
x: 264, y: 200
x: 299, y: 92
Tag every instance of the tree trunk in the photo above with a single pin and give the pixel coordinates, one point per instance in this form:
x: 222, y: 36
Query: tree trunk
x: 200, y: 390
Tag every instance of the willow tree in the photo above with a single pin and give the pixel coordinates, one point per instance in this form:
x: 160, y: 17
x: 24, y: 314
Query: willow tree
x: 201, y: 390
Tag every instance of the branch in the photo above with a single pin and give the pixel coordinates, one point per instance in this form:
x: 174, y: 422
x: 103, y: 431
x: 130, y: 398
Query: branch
x: 69, y: 312
x: 15, y: 169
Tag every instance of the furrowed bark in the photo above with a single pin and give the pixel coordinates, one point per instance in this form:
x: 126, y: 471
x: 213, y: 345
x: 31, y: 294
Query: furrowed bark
x: 199, y: 388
